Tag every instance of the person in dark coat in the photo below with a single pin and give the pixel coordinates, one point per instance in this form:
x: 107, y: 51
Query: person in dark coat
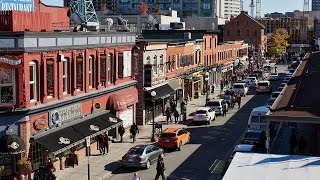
x: 100, y: 141
x: 302, y: 145
x: 293, y: 143
x: 50, y: 169
x: 160, y: 168
x: 239, y: 100
x: 121, y: 132
x: 224, y: 110
x: 105, y: 143
x: 168, y: 115
x: 176, y: 116
x: 134, y: 130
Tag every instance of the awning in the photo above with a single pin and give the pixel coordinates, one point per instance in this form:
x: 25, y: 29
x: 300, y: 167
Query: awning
x: 123, y: 99
x: 11, y: 144
x: 174, y: 84
x: 162, y: 91
x: 65, y: 138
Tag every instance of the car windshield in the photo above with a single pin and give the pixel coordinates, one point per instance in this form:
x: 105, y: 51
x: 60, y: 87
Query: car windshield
x: 136, y: 151
x: 168, y: 135
x: 213, y: 103
x: 274, y: 74
x: 275, y: 94
x: 263, y: 84
x: 201, y: 112
x: 271, y: 101
x: 252, y: 135
x: 263, y: 119
x: 238, y: 86
x: 255, y: 119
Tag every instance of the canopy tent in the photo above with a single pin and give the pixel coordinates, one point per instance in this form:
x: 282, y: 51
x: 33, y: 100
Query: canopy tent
x: 253, y: 166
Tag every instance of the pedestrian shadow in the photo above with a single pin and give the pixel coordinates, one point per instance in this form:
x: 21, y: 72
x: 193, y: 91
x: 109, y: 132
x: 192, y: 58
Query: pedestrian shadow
x: 126, y: 170
x: 113, y: 166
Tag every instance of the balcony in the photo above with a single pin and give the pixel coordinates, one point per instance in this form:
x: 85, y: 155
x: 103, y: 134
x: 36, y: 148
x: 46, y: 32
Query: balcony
x: 47, y: 41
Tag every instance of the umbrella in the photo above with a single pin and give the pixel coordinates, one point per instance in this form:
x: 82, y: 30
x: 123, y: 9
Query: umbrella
x: 11, y: 144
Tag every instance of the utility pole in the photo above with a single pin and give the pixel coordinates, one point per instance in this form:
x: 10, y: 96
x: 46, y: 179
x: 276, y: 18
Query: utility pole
x: 251, y: 5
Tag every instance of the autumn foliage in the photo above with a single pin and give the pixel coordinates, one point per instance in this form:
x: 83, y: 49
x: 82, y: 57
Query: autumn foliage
x: 279, y: 42
x: 143, y: 8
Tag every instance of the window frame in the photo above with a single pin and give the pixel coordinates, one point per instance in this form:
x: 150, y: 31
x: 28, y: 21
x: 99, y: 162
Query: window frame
x: 91, y: 72
x: 53, y: 75
x: 110, y: 72
x: 13, y: 84
x: 65, y: 77
x: 34, y: 82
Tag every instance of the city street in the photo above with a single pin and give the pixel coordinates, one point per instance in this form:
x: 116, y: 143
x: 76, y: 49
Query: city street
x: 208, y: 143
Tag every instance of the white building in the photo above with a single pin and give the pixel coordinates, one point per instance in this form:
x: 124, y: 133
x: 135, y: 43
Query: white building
x: 228, y: 8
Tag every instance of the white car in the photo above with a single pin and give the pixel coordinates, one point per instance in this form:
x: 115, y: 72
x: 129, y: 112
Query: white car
x: 216, y: 105
x: 252, y: 81
x: 274, y: 77
x: 204, y: 114
x: 240, y: 88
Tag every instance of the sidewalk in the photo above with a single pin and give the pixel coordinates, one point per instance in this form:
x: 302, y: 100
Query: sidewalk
x: 102, y: 166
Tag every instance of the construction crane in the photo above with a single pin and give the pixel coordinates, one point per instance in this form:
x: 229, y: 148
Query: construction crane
x: 258, y: 9
x: 82, y: 12
x: 251, y: 5
x: 306, y: 6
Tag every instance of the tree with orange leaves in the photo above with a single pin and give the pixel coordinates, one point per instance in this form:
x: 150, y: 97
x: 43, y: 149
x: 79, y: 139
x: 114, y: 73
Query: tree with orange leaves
x: 143, y: 8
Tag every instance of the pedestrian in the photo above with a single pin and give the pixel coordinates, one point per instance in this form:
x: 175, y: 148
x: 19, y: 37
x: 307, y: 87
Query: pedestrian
x: 134, y: 130
x: 50, y: 169
x: 100, y: 141
x: 224, y: 110
x: 168, y: 115
x: 239, y: 100
x: 293, y: 143
x: 275, y: 69
x: 221, y: 84
x: 302, y: 145
x: 121, y: 132
x: 212, y: 89
x: 227, y: 83
x: 176, y: 116
x: 232, y: 101
x: 135, y: 176
x: 105, y: 143
x: 160, y: 168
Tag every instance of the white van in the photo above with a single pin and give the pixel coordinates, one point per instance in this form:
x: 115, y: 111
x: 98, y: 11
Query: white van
x: 257, y: 119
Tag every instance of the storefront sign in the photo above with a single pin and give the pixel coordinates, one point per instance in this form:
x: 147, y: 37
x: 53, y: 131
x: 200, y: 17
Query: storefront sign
x: 40, y: 123
x: 126, y: 63
x: 61, y: 115
x: 10, y: 60
x: 147, y: 76
x: 17, y: 5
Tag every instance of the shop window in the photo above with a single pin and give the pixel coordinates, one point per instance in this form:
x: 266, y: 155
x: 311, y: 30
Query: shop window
x: 7, y: 161
x: 110, y: 69
x: 91, y: 71
x: 65, y: 80
x: 79, y: 73
x: 33, y: 81
x: 120, y: 65
x: 36, y: 155
x: 161, y: 64
x: 103, y: 69
x: 7, y: 86
x: 155, y: 64
x: 50, y: 78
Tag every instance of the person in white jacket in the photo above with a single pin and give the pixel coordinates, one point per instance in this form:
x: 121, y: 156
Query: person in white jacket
x: 136, y: 177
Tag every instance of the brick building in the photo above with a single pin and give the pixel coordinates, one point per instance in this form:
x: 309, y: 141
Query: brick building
x: 244, y: 27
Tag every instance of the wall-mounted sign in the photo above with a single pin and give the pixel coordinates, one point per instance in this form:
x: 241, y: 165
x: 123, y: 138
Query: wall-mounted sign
x: 10, y: 59
x: 40, y: 123
x: 64, y: 114
x: 17, y: 5
x: 147, y: 75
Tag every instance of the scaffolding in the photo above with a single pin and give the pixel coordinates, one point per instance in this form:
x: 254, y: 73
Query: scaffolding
x: 85, y: 11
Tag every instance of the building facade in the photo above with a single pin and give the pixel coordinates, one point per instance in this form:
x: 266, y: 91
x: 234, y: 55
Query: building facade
x: 315, y: 5
x: 107, y: 6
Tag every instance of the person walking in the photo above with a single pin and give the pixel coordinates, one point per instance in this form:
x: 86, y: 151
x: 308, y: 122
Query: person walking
x: 302, y: 145
x: 239, y: 100
x: 222, y: 84
x: 160, y: 168
x: 105, y: 143
x: 121, y: 132
x: 134, y: 130
x: 50, y: 169
x: 176, y: 116
x: 224, y: 110
x: 100, y: 141
x: 293, y: 143
x: 136, y: 177
x: 168, y: 115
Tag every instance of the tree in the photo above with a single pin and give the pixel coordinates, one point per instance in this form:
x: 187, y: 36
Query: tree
x: 279, y: 43
x: 143, y: 8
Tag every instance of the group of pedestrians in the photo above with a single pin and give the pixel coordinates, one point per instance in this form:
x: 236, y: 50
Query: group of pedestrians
x: 296, y: 146
x: 171, y: 109
x: 103, y: 140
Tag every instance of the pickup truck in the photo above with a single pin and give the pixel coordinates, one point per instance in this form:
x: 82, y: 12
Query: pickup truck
x: 240, y: 88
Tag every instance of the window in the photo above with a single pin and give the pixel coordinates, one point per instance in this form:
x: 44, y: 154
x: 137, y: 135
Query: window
x: 50, y: 78
x: 238, y: 23
x: 102, y: 69
x: 228, y: 32
x: 210, y: 43
x: 65, y: 70
x: 110, y: 71
x: 7, y: 86
x: 179, y: 61
x: 255, y: 33
x: 238, y: 32
x: 33, y: 80
x: 247, y: 32
x: 155, y: 64
x: 120, y: 65
x: 161, y: 64
x: 36, y: 155
x: 169, y: 63
x: 79, y: 73
x: 91, y: 71
x: 173, y: 63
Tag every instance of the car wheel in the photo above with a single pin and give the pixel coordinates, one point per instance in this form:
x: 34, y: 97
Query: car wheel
x: 179, y: 146
x: 148, y: 164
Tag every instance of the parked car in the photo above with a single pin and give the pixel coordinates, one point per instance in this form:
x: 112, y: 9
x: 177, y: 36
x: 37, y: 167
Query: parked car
x: 258, y: 73
x: 251, y: 81
x: 270, y: 101
x: 174, y: 138
x: 280, y: 89
x: 275, y: 94
x: 204, y: 114
x: 274, y: 77
x: 285, y: 81
x: 240, y: 88
x: 282, y: 85
x: 287, y: 78
x: 216, y: 104
x: 141, y: 156
x: 257, y: 119
x: 227, y: 99
x: 264, y: 87
x: 246, y: 148
x: 255, y: 137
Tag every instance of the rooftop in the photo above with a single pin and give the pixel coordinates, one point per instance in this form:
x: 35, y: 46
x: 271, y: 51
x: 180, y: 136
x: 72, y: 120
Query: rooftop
x: 300, y: 101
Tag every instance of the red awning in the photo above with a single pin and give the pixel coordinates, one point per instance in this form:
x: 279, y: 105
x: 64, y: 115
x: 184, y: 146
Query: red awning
x: 123, y: 99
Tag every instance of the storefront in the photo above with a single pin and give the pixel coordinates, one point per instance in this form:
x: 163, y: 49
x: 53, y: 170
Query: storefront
x: 198, y: 84
x: 227, y: 70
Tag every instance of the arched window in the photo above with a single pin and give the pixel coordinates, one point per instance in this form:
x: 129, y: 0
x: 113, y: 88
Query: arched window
x: 33, y: 81
x: 91, y: 71
x: 103, y: 72
x: 65, y: 77
x: 247, y: 32
x: 79, y: 72
x: 50, y: 78
x: 110, y: 68
x: 155, y: 64
x: 238, y: 32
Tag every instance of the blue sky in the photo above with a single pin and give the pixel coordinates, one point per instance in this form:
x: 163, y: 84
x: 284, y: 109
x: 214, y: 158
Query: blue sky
x: 267, y: 6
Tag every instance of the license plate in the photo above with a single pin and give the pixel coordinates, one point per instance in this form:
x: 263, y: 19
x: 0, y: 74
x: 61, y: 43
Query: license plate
x: 167, y: 141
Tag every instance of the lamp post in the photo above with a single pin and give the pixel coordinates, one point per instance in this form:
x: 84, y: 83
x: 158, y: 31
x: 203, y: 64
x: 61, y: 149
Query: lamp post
x: 153, y: 94
x: 207, y: 86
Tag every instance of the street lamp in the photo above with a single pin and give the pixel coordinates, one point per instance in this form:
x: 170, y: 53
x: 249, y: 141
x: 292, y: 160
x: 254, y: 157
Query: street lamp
x: 207, y: 86
x: 153, y: 94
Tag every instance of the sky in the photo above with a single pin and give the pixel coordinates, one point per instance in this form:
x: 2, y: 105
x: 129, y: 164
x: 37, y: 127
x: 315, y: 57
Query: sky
x: 267, y: 6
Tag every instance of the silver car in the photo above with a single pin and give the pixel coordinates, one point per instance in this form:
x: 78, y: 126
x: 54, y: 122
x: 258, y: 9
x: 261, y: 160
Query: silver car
x: 141, y: 156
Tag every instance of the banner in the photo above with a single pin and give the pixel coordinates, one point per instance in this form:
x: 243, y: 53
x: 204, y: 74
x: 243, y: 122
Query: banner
x: 17, y: 5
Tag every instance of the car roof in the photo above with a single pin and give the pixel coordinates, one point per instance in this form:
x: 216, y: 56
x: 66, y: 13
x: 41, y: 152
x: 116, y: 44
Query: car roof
x: 171, y: 130
x: 276, y: 92
x: 142, y: 146
x: 216, y: 100
x: 203, y: 108
x: 264, y: 82
x: 243, y: 147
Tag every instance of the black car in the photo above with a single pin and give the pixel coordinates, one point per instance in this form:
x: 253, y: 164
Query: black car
x: 227, y: 99
x: 255, y: 137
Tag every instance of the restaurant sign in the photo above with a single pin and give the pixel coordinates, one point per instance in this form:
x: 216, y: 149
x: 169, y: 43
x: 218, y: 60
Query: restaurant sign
x: 64, y: 114
x: 17, y: 5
